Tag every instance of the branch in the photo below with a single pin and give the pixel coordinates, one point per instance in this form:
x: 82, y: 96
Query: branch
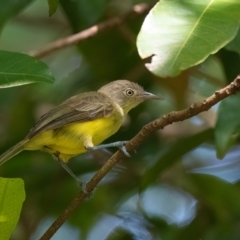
x: 136, y: 141
x: 90, y: 32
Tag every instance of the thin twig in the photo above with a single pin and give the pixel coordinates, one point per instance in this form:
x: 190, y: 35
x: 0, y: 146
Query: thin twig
x: 136, y: 141
x: 87, y: 33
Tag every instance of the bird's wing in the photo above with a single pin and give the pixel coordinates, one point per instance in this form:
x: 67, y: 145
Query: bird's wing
x: 80, y: 108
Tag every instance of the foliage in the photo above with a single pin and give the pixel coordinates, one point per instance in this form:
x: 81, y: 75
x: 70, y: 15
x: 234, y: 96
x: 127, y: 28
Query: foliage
x: 189, y: 30
x: 12, y: 196
x: 53, y: 5
x: 19, y: 69
x: 164, y: 191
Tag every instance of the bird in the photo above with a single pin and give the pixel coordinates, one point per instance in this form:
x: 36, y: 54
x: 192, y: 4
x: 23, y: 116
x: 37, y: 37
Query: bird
x: 82, y: 123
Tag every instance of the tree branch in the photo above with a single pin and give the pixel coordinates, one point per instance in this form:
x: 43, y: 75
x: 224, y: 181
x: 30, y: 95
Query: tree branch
x: 136, y: 141
x: 90, y: 32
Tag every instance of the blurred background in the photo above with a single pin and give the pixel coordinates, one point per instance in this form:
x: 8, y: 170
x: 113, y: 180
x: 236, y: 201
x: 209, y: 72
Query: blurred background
x: 173, y: 187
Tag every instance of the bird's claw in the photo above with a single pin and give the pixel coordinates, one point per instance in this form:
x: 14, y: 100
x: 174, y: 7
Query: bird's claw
x: 123, y: 148
x: 83, y: 186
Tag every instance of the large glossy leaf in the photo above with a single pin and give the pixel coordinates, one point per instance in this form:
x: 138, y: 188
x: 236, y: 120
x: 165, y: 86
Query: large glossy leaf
x: 173, y: 153
x: 19, y: 69
x: 11, y: 7
x: 181, y: 34
x: 12, y: 195
x: 228, y: 124
x: 234, y: 45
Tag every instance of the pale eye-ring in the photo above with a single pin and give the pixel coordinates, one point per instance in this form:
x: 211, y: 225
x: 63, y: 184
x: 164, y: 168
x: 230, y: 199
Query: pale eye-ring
x: 129, y: 92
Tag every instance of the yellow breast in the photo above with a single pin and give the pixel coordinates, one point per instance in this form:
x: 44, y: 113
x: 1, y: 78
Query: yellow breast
x: 69, y: 140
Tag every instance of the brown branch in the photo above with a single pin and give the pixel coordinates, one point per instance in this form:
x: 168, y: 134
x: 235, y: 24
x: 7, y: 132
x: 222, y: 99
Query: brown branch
x: 87, y: 33
x: 136, y: 141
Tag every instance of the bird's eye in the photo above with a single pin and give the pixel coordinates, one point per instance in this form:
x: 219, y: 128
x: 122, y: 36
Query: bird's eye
x: 129, y: 92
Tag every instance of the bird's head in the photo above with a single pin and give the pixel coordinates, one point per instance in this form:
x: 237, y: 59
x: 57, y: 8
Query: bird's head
x: 126, y: 94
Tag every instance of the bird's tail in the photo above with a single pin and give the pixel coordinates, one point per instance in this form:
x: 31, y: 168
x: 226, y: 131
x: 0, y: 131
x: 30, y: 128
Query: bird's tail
x: 13, y: 151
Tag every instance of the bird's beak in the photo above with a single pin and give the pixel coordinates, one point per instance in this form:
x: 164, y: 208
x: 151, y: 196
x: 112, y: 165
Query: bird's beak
x: 148, y: 95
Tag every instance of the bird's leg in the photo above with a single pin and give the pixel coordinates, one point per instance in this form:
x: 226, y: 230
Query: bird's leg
x: 65, y: 166
x: 119, y: 144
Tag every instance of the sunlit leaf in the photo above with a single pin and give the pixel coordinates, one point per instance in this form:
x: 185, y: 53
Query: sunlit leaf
x: 173, y: 153
x: 18, y: 69
x: 234, y: 45
x: 52, y: 6
x: 228, y: 124
x: 180, y: 34
x: 12, y: 195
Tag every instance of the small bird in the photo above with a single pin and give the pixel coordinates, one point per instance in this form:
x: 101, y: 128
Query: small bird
x: 82, y: 122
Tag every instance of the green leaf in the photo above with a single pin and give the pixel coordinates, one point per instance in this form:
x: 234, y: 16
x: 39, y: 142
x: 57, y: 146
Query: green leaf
x: 18, y: 69
x: 181, y: 34
x: 234, y: 45
x: 228, y: 124
x: 220, y: 195
x: 12, y: 195
x: 52, y: 5
x: 10, y: 8
x: 172, y: 155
